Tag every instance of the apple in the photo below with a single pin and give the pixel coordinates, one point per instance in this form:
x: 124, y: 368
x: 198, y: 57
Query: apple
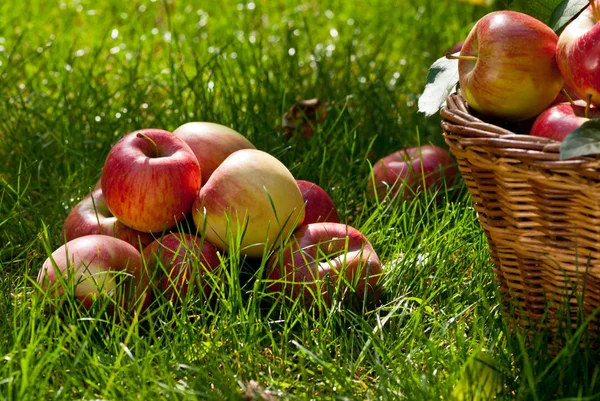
x: 150, y: 180
x: 96, y: 266
x: 326, y: 258
x: 318, y: 205
x: 578, y: 53
x: 559, y: 120
x: 211, y: 143
x: 91, y: 216
x: 408, y: 171
x: 186, y: 259
x: 251, y: 197
x: 507, y: 67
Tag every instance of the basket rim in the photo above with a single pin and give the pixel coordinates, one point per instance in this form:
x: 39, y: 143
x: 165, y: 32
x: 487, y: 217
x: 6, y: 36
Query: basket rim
x: 459, y: 124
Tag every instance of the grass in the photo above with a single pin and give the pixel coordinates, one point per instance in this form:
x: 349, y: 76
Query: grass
x: 77, y: 75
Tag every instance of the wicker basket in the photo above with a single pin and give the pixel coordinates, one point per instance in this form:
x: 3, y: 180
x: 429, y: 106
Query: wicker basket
x: 541, y: 217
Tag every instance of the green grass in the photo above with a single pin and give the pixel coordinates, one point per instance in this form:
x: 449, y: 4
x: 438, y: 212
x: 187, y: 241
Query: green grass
x: 76, y: 76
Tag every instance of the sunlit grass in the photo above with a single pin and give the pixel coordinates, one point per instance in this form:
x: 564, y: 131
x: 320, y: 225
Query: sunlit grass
x: 76, y: 76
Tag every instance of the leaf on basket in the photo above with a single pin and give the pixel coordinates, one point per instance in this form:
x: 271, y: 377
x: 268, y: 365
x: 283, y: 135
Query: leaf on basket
x: 565, y: 12
x: 582, y: 141
x: 441, y: 80
x: 540, y: 9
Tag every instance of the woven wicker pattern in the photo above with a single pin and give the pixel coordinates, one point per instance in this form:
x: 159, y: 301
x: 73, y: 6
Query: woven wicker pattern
x: 541, y: 215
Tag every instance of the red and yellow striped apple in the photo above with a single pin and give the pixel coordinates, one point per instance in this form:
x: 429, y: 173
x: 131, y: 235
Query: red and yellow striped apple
x: 507, y: 66
x: 93, y: 266
x: 251, y: 194
x: 326, y: 259
x: 91, y: 216
x: 211, y: 143
x: 150, y: 180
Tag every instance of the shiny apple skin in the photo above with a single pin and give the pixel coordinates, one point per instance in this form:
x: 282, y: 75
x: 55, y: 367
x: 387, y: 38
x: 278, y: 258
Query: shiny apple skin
x: 94, y: 265
x: 559, y: 120
x: 407, y: 172
x: 317, y: 257
x: 147, y: 191
x: 318, y: 205
x: 515, y: 76
x: 578, y: 55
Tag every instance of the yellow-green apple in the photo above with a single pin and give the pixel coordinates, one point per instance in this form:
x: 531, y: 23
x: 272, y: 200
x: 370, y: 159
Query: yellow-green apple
x: 578, y: 53
x: 95, y: 266
x: 252, y: 199
x: 211, y: 143
x: 186, y: 261
x: 558, y: 121
x: 150, y: 180
x: 507, y: 66
x: 406, y: 172
x: 323, y: 259
x: 91, y: 216
x: 318, y: 205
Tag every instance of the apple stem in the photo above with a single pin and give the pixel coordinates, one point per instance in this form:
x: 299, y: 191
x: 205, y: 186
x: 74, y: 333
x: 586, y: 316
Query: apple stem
x: 569, y: 98
x: 587, y: 105
x: 147, y: 138
x: 459, y: 57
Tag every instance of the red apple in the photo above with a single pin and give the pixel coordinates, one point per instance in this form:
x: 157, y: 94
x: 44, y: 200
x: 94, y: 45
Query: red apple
x: 251, y: 199
x: 93, y: 266
x: 326, y: 259
x: 150, y: 180
x: 507, y: 67
x: 578, y: 53
x: 186, y: 259
x: 91, y: 216
x: 408, y: 171
x: 211, y: 143
x: 318, y: 205
x: 559, y: 120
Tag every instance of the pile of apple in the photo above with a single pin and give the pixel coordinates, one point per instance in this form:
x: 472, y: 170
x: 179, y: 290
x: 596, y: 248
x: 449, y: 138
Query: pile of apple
x: 127, y: 240
x: 513, y: 67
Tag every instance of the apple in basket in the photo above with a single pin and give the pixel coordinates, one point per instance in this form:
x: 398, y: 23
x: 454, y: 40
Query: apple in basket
x: 578, y: 53
x: 559, y: 120
x: 325, y: 260
x: 507, y: 66
x: 96, y: 266
x: 406, y: 172
x: 91, y: 216
x: 150, y: 180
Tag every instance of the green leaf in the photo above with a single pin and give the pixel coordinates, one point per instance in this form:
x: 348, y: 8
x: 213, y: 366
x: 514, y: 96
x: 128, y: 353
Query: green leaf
x: 441, y: 80
x: 540, y: 9
x: 582, y: 141
x: 565, y: 12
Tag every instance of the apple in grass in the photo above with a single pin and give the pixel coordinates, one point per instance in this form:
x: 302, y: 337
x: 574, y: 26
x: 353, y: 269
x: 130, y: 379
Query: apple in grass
x: 559, y: 120
x: 251, y: 199
x: 323, y: 259
x: 406, y: 172
x: 211, y: 143
x: 91, y: 216
x: 95, y: 266
x: 187, y: 260
x: 507, y: 66
x: 318, y: 205
x: 578, y: 53
x: 150, y: 180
